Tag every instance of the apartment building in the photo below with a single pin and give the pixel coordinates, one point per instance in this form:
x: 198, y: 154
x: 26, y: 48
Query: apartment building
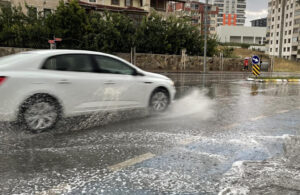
x: 262, y: 22
x: 135, y: 9
x: 231, y: 12
x: 283, y: 29
x: 195, y: 11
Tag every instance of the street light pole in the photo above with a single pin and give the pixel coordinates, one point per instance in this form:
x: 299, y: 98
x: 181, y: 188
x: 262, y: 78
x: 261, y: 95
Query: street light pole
x: 205, y: 35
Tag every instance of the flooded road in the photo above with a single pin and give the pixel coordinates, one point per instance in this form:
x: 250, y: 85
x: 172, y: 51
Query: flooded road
x: 223, y: 135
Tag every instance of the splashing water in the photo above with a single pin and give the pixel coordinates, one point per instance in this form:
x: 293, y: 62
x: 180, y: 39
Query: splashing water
x: 194, y: 104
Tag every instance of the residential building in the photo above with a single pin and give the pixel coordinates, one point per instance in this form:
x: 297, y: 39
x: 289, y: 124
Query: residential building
x: 133, y: 8
x: 195, y: 11
x: 242, y: 34
x: 262, y: 22
x: 39, y: 6
x: 231, y: 12
x: 283, y: 29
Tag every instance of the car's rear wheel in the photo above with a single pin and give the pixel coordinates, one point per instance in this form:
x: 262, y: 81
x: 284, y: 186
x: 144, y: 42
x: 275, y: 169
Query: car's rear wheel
x: 40, y: 114
x: 159, y: 101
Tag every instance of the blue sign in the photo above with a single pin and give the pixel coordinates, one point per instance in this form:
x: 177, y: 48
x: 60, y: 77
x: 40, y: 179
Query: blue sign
x: 255, y: 60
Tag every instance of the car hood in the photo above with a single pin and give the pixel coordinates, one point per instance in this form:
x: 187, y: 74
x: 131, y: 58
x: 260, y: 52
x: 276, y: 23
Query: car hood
x: 155, y: 75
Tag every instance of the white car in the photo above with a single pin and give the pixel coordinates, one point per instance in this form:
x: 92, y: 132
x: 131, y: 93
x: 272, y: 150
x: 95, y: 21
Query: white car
x: 37, y: 88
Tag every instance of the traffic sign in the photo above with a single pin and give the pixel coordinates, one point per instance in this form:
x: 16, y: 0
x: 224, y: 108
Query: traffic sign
x: 255, y: 60
x: 256, y: 69
x: 51, y: 41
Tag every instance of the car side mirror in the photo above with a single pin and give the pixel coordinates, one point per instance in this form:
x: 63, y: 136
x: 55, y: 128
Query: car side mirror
x: 137, y: 73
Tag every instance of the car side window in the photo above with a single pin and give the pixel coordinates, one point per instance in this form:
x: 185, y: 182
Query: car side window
x: 112, y: 66
x: 70, y: 62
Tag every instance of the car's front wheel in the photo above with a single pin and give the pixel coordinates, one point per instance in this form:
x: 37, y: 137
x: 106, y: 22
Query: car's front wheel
x: 40, y: 114
x: 159, y: 101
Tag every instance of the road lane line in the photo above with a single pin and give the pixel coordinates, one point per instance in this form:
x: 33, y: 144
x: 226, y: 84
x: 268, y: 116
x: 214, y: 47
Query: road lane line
x: 60, y: 189
x: 258, y: 118
x: 232, y: 125
x: 282, y: 111
x: 189, y: 140
x: 131, y: 162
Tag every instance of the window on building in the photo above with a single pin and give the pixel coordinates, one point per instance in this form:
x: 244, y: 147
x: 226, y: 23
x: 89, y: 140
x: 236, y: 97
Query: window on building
x: 276, y: 49
x: 278, y: 25
x: 284, y: 40
x: 158, y: 4
x: 291, y: 23
x: 291, y: 14
x: 290, y: 32
x: 128, y: 3
x: 284, y: 49
x: 92, y: 1
x: 276, y: 41
x: 32, y: 11
x: 288, y: 49
x: 277, y: 34
x: 289, y: 40
x: 270, y: 49
x: 115, y: 2
x: 47, y: 12
x: 278, y: 17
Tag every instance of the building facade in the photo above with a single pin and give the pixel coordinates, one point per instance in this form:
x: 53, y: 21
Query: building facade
x: 242, y: 34
x: 195, y: 11
x: 283, y: 29
x: 231, y: 12
x: 133, y: 8
x: 262, y: 22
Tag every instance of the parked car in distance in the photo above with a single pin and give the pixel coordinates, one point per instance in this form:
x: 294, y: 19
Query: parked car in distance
x: 37, y: 88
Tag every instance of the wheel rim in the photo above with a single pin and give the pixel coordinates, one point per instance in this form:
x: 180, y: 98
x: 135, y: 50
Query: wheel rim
x: 40, y: 116
x: 159, y: 101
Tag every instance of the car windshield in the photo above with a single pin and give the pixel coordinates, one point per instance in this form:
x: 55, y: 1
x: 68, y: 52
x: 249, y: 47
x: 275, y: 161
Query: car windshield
x: 15, y: 58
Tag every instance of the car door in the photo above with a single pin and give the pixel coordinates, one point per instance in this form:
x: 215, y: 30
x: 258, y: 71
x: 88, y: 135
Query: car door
x: 76, y: 82
x: 122, y: 87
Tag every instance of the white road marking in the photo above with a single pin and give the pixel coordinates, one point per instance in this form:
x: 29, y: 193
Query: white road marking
x: 189, y: 140
x: 60, y: 189
x: 282, y: 111
x: 258, y: 118
x: 131, y: 162
x: 232, y: 125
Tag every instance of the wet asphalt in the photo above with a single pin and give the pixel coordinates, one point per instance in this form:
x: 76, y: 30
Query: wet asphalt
x: 223, y: 134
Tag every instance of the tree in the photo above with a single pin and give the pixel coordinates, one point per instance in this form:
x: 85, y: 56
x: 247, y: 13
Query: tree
x: 70, y: 22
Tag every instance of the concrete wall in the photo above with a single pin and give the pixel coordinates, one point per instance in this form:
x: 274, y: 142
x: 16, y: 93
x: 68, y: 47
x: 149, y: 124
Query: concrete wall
x: 158, y: 62
x: 241, y: 34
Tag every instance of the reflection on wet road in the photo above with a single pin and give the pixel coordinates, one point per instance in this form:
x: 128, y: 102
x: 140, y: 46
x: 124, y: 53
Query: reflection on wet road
x: 222, y: 135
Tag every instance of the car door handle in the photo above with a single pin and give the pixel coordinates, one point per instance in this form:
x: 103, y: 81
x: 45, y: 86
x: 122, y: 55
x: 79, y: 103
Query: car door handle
x: 64, y: 82
x: 148, y: 82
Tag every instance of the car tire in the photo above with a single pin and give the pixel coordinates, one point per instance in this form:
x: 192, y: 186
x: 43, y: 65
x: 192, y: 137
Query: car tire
x: 39, y: 114
x: 159, y: 101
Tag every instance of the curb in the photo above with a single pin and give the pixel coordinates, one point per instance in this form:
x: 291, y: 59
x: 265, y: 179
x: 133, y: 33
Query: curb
x: 274, y: 80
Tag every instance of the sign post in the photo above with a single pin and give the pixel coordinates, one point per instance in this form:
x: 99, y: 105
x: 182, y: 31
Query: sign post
x: 255, y: 66
x: 53, y: 42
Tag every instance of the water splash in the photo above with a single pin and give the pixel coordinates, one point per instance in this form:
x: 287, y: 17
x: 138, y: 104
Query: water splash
x: 195, y: 104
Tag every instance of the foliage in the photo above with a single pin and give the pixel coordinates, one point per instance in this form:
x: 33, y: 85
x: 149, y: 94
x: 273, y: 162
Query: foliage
x: 106, y: 31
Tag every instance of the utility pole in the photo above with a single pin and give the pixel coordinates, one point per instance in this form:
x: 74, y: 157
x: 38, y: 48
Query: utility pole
x: 205, y: 35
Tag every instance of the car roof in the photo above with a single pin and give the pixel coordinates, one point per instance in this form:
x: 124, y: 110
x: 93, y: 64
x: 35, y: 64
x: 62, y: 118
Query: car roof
x: 62, y: 51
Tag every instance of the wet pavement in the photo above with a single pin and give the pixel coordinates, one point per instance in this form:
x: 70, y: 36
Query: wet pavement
x: 223, y: 135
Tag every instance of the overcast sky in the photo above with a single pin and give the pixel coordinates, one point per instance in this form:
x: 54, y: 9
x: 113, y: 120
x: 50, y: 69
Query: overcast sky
x: 255, y: 9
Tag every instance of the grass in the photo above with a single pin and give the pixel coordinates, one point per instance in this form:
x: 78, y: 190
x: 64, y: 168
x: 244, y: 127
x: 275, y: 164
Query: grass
x: 283, y: 65
x: 243, y: 53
